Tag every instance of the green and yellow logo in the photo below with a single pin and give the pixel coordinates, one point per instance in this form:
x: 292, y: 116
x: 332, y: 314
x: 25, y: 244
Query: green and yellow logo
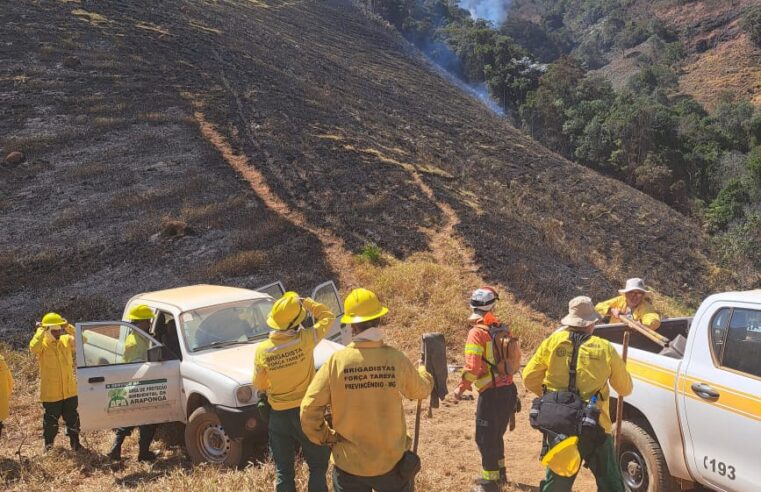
x: 117, y: 397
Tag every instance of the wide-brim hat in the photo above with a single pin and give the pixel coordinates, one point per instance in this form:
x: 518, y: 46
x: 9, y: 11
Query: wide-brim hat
x: 581, y: 313
x: 634, y: 284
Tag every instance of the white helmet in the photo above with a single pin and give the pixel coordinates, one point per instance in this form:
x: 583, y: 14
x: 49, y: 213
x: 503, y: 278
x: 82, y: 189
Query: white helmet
x: 484, y: 299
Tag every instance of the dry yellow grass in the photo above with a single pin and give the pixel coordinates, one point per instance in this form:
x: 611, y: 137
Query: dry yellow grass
x: 449, y: 454
x: 732, y: 66
x: 424, y: 295
x: 239, y: 263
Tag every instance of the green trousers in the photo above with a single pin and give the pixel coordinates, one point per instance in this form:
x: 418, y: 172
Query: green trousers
x: 285, y: 435
x: 602, y: 463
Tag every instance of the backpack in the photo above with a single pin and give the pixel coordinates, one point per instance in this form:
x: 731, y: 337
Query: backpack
x: 561, y: 412
x: 507, y: 352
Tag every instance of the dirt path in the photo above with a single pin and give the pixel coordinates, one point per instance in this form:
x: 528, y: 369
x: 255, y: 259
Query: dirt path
x: 450, y: 457
x: 337, y: 256
x: 447, y: 443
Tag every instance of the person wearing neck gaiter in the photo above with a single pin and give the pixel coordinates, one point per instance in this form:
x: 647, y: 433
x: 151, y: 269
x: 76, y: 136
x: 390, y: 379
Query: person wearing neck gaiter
x: 364, y: 385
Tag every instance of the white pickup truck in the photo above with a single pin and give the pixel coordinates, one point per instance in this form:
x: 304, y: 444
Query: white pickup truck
x: 695, y: 418
x: 195, y: 366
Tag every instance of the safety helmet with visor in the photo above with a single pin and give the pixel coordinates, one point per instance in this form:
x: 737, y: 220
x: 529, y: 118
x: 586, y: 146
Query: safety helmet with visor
x: 484, y: 298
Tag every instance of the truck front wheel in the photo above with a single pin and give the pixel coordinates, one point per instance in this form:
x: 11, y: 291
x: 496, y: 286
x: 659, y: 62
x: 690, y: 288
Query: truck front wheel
x: 207, y: 441
x: 641, y: 461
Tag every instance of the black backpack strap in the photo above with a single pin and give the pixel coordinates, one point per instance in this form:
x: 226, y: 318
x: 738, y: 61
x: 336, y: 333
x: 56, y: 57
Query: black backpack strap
x: 578, y: 340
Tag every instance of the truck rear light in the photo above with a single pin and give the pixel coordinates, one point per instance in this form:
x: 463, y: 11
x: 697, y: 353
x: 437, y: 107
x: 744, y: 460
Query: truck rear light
x: 251, y: 423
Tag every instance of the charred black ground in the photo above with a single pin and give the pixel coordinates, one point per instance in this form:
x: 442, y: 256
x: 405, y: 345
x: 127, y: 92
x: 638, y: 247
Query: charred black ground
x: 336, y: 111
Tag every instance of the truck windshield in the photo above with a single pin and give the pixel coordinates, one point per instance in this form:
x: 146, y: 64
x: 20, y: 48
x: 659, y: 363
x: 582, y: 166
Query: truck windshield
x: 226, y: 324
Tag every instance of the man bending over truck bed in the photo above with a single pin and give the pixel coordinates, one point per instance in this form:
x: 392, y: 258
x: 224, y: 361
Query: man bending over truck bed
x: 632, y: 303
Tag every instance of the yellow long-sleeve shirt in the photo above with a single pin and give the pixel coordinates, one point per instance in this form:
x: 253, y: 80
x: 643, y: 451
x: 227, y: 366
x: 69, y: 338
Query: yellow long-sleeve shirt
x: 6, y: 387
x: 598, y: 364
x: 55, y: 357
x: 364, y: 384
x: 284, y: 365
x: 135, y: 348
x: 645, y: 313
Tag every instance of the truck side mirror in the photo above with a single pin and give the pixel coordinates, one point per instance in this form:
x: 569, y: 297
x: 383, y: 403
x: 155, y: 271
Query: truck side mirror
x: 156, y: 353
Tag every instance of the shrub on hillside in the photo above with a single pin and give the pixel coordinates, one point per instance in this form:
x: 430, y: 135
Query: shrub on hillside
x: 739, y: 251
x: 372, y: 253
x: 728, y: 205
x: 753, y: 165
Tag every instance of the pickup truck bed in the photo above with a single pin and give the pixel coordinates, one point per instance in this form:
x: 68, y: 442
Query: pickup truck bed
x: 670, y: 328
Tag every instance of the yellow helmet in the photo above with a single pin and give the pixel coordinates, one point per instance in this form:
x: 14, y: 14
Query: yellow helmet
x: 563, y: 458
x: 362, y: 305
x: 286, y: 313
x: 53, y: 319
x: 140, y: 312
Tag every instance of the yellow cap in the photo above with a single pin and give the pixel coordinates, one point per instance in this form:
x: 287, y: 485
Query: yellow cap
x: 286, y: 313
x: 564, y: 458
x: 53, y: 319
x: 362, y: 305
x: 140, y: 312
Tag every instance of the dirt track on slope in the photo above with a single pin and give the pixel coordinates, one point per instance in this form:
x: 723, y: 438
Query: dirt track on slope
x: 342, y: 120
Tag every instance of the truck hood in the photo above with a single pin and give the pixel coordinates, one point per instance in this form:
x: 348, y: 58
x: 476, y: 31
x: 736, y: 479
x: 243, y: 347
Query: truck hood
x: 237, y: 362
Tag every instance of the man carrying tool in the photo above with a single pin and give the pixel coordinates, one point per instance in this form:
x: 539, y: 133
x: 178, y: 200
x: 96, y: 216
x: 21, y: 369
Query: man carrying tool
x: 497, y: 393
x: 632, y: 303
x: 364, y: 384
x: 597, y: 364
x: 284, y: 367
x: 136, y: 350
x: 53, y: 344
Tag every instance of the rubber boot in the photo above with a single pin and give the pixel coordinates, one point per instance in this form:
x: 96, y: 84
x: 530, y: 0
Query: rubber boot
x: 116, y: 450
x: 503, y: 476
x: 486, y: 486
x: 144, y: 443
x: 74, y: 441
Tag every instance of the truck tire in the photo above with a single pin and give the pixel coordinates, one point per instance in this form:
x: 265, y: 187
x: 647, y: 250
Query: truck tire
x: 207, y: 441
x: 641, y: 461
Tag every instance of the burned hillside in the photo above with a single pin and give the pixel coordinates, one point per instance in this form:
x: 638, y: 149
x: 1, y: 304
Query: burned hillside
x: 138, y: 121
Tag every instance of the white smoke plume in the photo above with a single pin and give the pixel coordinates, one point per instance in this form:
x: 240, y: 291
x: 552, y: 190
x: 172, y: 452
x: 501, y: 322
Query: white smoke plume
x: 494, y: 11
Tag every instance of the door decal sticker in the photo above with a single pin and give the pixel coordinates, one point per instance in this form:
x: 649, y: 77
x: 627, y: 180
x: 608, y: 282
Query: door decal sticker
x: 136, y: 394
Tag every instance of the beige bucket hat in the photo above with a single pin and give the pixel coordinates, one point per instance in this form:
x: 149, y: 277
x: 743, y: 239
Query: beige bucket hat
x: 581, y: 313
x: 634, y: 284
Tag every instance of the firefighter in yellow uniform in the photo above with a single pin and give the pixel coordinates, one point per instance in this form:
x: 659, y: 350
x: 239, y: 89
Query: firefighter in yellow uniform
x: 136, y: 350
x: 598, y: 364
x: 632, y: 303
x: 6, y: 387
x: 284, y: 367
x: 364, y: 384
x: 53, y: 344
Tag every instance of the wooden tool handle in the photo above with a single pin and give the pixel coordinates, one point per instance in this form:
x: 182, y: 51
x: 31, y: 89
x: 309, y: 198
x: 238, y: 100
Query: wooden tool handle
x: 417, y: 427
x: 620, y: 400
x: 645, y: 331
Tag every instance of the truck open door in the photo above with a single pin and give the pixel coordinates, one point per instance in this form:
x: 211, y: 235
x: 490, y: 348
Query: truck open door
x: 719, y: 399
x: 275, y: 290
x: 327, y: 293
x: 123, y: 379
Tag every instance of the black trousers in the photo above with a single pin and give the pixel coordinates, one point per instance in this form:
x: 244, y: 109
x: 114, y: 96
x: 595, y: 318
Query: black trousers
x: 54, y: 410
x: 146, y: 435
x: 495, y: 405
